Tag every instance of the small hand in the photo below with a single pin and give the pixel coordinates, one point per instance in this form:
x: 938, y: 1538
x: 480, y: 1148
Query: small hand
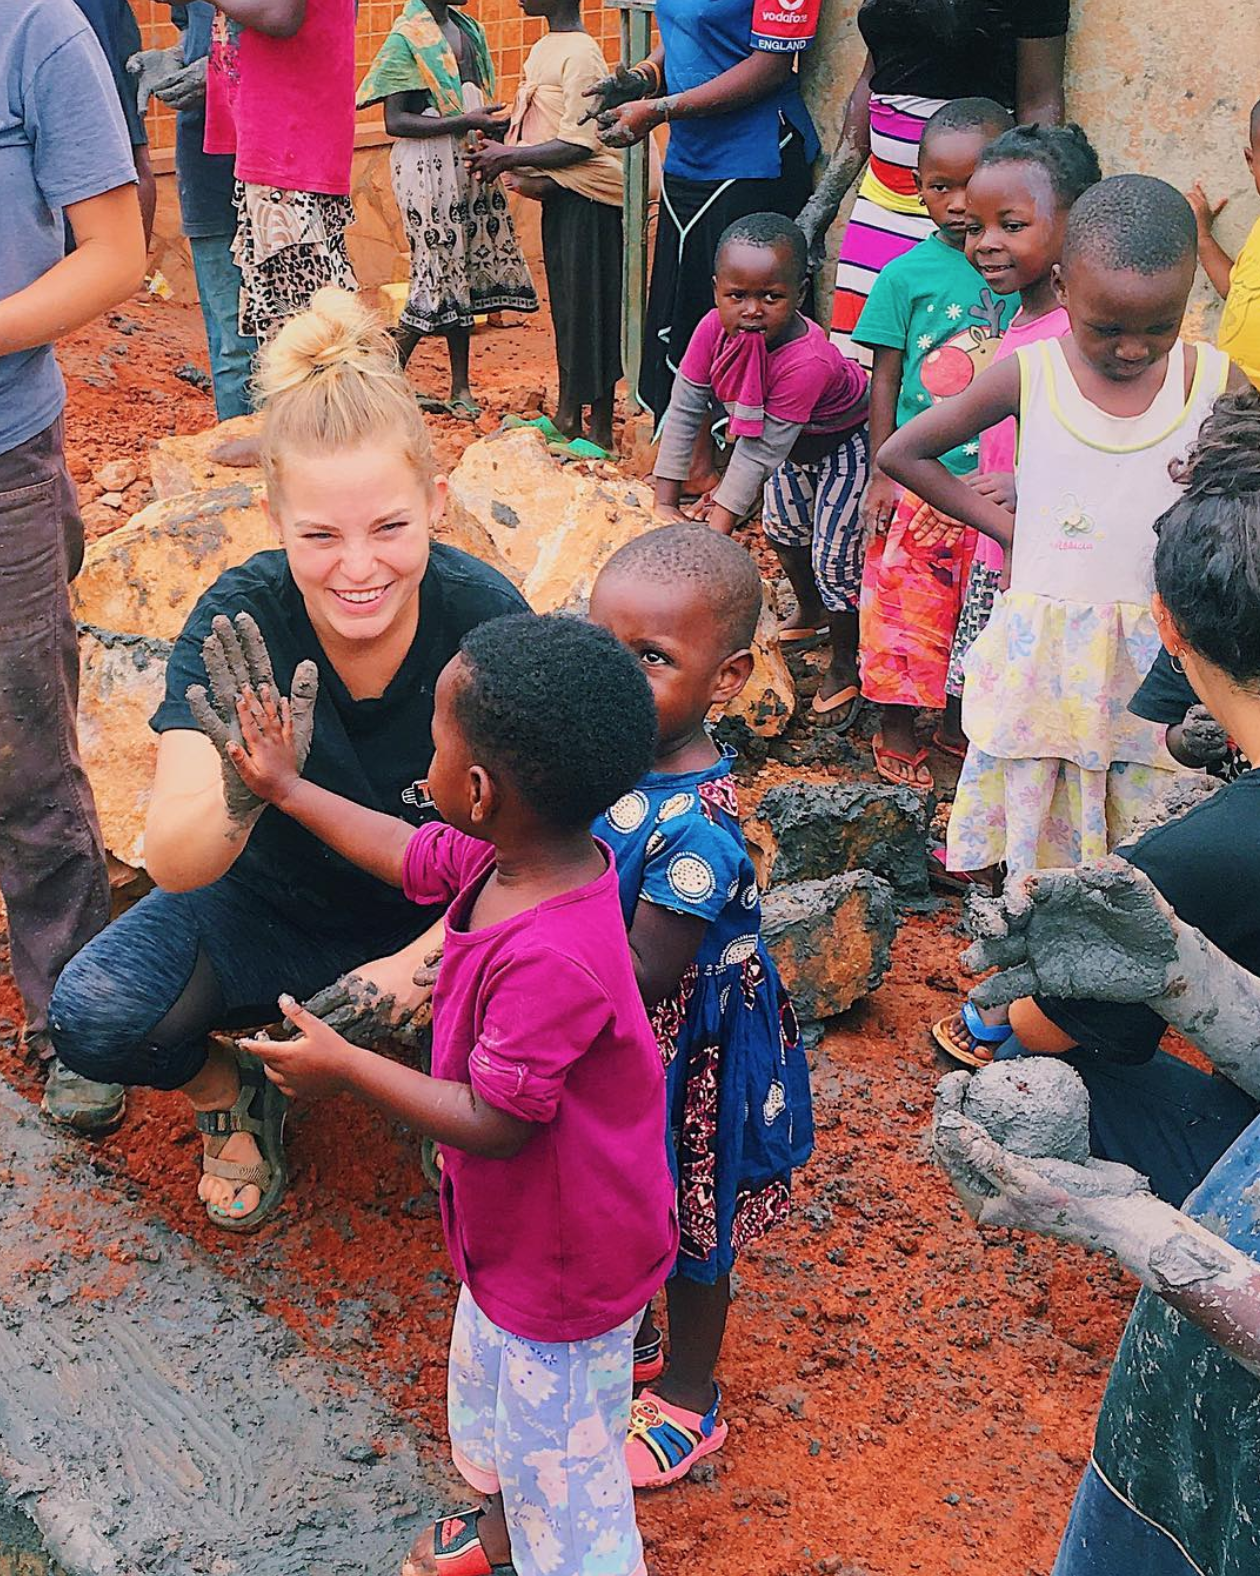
x: 313, y: 1065
x: 1203, y: 741
x: 265, y: 759
x: 490, y: 119
x: 488, y: 160
x: 1055, y: 1198
x: 1098, y: 933
x: 810, y: 223
x: 237, y: 659
x: 928, y: 528
x: 151, y: 67
x: 622, y: 87
x: 997, y: 486
x: 879, y: 504
x: 186, y: 91
x: 630, y: 123
x: 1206, y: 212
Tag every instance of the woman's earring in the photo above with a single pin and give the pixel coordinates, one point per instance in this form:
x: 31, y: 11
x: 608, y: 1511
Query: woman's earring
x: 1175, y: 660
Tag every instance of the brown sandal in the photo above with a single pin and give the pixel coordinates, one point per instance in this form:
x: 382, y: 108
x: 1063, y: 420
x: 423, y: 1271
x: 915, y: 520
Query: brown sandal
x: 259, y: 1110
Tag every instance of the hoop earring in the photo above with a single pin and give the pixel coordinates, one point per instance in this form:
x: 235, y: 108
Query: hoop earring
x: 1175, y: 660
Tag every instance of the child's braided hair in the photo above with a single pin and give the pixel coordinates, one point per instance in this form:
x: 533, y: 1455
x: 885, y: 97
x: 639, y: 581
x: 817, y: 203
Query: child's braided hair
x: 1207, y: 560
x: 1065, y: 153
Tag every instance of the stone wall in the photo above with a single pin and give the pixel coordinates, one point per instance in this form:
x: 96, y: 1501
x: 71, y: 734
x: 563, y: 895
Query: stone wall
x: 1161, y: 88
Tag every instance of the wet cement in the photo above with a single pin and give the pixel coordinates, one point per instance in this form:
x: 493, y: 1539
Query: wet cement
x: 153, y: 1417
x: 1034, y: 1106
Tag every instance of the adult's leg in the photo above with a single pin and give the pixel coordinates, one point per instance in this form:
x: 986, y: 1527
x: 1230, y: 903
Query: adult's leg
x: 1164, y: 1118
x: 52, y: 862
x: 231, y: 352
x: 1105, y: 1536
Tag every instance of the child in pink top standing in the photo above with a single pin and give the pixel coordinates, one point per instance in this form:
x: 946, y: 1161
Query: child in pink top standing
x: 796, y: 410
x: 280, y: 96
x: 1017, y: 208
x: 547, y: 1093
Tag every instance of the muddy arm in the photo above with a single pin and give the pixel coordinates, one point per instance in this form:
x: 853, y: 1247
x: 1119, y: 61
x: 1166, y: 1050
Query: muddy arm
x: 1103, y: 933
x: 1212, y: 1283
x: 843, y: 168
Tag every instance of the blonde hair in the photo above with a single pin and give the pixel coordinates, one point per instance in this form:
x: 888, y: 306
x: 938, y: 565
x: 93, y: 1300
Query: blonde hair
x: 330, y: 380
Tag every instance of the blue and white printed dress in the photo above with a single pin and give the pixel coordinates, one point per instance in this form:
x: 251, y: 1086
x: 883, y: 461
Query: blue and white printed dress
x: 737, y: 1080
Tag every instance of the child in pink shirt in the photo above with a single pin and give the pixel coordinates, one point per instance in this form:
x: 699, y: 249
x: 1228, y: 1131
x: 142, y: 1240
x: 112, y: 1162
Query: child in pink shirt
x: 1017, y: 208
x: 547, y: 1093
x: 280, y: 96
x: 796, y: 409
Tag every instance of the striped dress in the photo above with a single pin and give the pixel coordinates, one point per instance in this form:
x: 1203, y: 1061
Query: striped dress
x: 888, y: 218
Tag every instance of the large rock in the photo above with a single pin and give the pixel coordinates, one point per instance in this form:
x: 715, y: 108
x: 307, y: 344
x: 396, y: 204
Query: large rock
x: 182, y: 464
x: 121, y: 683
x: 831, y: 940
x: 809, y: 831
x: 145, y: 578
x: 767, y: 702
x: 554, y: 525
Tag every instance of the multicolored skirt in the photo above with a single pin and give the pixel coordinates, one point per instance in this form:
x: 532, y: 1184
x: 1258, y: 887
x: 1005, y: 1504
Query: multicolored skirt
x: 288, y: 245
x: 888, y: 218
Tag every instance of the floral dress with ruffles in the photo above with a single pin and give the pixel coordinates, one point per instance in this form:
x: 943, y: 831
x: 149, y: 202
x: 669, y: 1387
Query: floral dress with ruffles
x: 739, y: 1109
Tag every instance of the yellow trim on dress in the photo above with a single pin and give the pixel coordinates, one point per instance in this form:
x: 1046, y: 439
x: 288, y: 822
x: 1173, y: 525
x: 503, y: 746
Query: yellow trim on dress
x: 1057, y: 411
x: 874, y: 190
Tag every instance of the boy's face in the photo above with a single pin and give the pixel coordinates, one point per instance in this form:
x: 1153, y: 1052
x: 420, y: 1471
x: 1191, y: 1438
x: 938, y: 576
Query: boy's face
x: 1014, y: 231
x: 947, y: 161
x: 1123, y: 322
x: 755, y: 291
x: 670, y: 632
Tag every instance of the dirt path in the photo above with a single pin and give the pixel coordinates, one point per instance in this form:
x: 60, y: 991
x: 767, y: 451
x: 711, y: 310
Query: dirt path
x: 905, y: 1396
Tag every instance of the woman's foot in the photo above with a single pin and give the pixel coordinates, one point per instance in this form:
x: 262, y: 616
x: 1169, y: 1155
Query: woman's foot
x: 231, y: 1127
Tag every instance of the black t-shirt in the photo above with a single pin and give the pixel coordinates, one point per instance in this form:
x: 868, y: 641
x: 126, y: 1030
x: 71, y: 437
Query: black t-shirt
x: 1206, y: 864
x: 948, y: 49
x: 372, y: 751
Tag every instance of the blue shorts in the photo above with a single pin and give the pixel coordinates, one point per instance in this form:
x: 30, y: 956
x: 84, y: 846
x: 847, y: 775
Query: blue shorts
x: 816, y: 506
x: 545, y: 1424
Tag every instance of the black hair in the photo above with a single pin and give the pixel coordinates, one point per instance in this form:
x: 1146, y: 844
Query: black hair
x: 968, y: 114
x: 768, y: 230
x: 1254, y: 123
x: 560, y: 708
x: 1207, y: 559
x: 1065, y: 153
x: 1133, y: 222
x: 717, y: 566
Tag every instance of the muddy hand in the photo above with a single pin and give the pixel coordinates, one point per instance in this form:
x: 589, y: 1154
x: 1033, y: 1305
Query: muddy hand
x: 237, y: 660
x: 1203, y: 738
x: 1052, y: 1197
x: 368, y: 1017
x: 621, y: 87
x: 1098, y: 933
x: 312, y: 1064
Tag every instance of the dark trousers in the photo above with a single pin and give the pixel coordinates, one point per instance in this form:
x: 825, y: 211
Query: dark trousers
x: 52, y: 860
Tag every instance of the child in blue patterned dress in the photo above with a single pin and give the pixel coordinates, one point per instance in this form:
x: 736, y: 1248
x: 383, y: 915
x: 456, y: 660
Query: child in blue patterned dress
x: 685, y: 600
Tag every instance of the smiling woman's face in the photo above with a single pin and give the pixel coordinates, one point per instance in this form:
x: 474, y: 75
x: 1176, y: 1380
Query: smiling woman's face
x: 355, y: 526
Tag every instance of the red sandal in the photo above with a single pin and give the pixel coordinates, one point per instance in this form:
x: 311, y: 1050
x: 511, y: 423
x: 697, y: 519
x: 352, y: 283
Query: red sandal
x: 457, y: 1548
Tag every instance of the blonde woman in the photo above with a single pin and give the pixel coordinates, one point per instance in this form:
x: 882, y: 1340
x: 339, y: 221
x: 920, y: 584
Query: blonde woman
x: 352, y: 616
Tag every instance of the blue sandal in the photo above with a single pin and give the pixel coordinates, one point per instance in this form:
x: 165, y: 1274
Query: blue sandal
x: 982, y: 1040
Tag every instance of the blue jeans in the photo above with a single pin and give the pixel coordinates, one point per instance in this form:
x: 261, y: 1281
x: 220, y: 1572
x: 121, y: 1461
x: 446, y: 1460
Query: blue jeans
x: 231, y: 352
x: 1105, y: 1536
x: 1164, y: 1118
x: 135, y: 1005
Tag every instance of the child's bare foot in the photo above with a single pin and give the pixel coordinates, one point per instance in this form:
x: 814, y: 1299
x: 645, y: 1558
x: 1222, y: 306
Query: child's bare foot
x: 238, y: 451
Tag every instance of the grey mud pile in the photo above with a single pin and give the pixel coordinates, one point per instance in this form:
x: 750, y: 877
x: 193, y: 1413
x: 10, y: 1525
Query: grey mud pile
x: 154, y: 1419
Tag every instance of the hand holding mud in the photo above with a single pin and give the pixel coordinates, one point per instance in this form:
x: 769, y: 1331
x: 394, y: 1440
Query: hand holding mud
x: 1203, y: 740
x: 237, y: 661
x: 310, y: 1065
x: 367, y: 1015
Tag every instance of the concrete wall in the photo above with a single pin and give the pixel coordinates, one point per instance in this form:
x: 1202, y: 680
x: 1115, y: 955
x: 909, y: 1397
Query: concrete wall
x: 1162, y: 86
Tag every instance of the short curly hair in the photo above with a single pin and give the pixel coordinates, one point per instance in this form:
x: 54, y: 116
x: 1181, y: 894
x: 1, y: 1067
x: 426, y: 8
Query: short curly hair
x: 715, y: 565
x: 1134, y: 223
x: 1207, y: 559
x: 560, y: 708
x: 773, y: 232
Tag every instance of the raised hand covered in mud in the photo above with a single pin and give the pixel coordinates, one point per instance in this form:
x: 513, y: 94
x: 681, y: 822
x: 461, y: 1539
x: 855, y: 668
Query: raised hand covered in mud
x: 1097, y: 933
x: 1203, y: 741
x: 238, y: 665
x: 376, y: 1012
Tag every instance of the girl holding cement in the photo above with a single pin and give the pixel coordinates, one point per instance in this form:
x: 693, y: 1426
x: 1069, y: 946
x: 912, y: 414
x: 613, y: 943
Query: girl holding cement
x: 434, y: 75
x: 359, y: 614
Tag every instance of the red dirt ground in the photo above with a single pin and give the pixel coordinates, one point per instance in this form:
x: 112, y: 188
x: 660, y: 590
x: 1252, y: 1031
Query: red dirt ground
x: 906, y: 1396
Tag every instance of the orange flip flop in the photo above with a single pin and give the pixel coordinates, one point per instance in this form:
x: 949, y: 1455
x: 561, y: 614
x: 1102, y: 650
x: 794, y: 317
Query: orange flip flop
x: 850, y: 696
x: 912, y: 763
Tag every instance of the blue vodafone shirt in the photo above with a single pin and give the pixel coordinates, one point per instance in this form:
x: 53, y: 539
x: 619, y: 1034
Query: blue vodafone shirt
x: 704, y: 38
x: 62, y: 140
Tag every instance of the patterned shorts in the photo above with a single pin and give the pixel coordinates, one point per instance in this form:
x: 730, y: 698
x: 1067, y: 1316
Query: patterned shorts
x: 977, y: 610
x: 288, y: 245
x: 816, y: 506
x: 546, y: 1424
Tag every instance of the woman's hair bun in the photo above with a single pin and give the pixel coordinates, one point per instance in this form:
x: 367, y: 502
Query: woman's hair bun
x: 336, y: 331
